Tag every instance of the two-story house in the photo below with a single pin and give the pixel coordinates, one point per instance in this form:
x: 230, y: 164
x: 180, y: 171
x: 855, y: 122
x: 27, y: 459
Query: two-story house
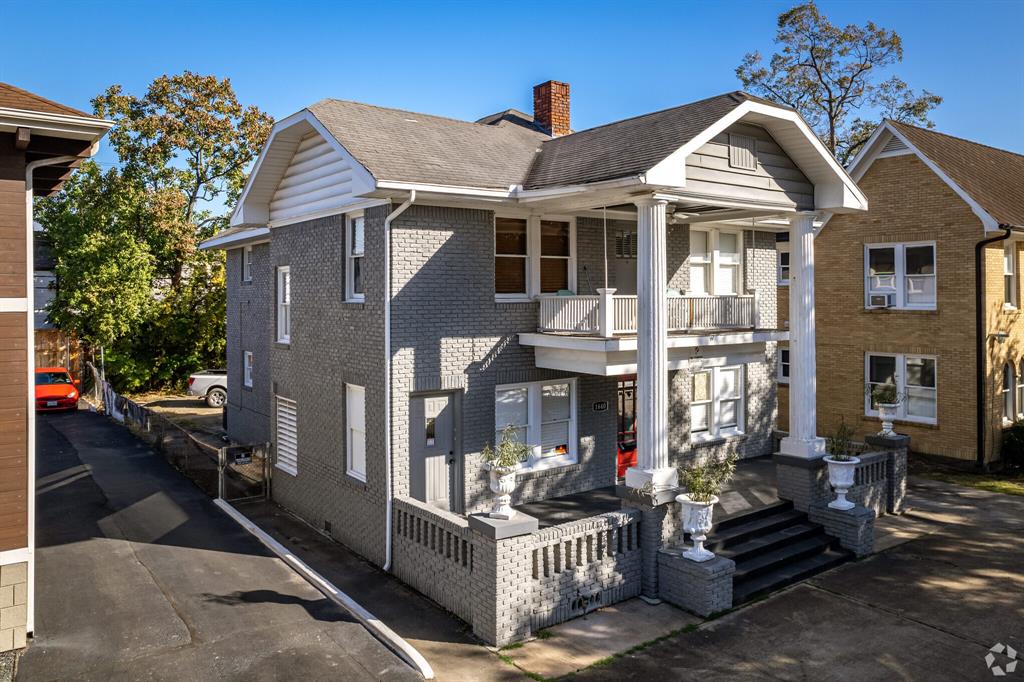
x: 402, y: 287
x: 923, y: 291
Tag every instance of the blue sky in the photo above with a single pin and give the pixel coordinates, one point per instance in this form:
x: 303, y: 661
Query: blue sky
x: 468, y: 59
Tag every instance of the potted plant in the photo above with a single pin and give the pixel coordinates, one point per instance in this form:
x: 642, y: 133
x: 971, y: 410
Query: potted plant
x: 503, y: 462
x: 842, y: 465
x: 703, y: 484
x: 887, y: 399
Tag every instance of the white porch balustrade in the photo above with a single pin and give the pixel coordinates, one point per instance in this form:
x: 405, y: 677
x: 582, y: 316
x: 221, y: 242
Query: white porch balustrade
x: 584, y: 314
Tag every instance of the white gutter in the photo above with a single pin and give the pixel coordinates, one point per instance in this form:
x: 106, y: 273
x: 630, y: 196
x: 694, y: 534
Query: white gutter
x: 30, y: 364
x: 389, y: 493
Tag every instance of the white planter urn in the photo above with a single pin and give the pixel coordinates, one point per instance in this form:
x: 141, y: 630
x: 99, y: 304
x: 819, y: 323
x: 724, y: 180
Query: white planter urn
x: 696, y: 518
x: 841, y: 477
x: 503, y: 484
x: 887, y: 412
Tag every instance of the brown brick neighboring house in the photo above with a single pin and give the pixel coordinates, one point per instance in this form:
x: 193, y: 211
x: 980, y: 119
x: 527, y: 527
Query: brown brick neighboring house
x: 40, y: 143
x: 932, y: 199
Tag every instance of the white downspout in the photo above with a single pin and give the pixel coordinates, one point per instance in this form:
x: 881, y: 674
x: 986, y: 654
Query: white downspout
x: 387, y: 372
x: 30, y: 363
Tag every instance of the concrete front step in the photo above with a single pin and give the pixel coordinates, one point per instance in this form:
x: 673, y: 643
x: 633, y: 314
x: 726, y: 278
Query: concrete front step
x: 787, y: 574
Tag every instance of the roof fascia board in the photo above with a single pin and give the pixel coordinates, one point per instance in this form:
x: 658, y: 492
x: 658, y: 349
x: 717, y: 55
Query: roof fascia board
x: 446, y: 189
x: 256, y: 235
x: 55, y: 125
x: 530, y: 195
x: 255, y: 208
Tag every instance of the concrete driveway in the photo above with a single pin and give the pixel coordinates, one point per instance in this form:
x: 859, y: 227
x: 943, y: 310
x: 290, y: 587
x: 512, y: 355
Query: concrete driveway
x: 928, y: 609
x: 140, y: 577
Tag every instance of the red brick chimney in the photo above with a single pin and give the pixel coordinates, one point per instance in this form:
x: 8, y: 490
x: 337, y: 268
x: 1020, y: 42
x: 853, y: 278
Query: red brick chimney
x: 551, y: 107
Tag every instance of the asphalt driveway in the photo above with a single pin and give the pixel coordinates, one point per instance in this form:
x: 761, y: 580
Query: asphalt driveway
x: 140, y: 576
x: 929, y: 609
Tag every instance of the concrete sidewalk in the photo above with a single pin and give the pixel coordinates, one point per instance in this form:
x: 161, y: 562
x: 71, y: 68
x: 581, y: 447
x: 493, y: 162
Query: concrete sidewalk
x: 140, y: 576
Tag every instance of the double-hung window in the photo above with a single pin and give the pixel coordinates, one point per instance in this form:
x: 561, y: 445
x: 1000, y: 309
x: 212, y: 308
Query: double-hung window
x: 900, y: 276
x: 284, y: 304
x: 247, y: 263
x: 247, y: 369
x: 716, y: 261
x: 716, y: 405
x: 782, y: 255
x: 355, y: 248
x: 783, y: 365
x: 1020, y: 392
x: 533, y: 256
x: 355, y: 431
x: 915, y: 379
x: 542, y: 415
x: 1010, y: 275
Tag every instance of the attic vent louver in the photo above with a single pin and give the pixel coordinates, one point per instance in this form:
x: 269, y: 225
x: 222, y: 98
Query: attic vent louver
x: 894, y: 146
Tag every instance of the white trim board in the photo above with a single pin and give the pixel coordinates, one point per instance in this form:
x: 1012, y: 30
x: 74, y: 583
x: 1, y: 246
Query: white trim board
x: 14, y: 556
x: 13, y: 305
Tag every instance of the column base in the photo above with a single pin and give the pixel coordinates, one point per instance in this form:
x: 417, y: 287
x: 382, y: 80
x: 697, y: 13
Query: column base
x: 652, y: 480
x: 813, y: 448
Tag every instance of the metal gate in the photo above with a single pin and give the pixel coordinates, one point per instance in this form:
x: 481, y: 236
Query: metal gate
x: 243, y: 472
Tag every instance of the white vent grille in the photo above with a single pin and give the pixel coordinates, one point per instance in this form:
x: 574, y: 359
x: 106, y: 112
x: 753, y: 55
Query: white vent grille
x: 287, y: 436
x: 894, y: 146
x: 625, y: 245
x: 742, y: 152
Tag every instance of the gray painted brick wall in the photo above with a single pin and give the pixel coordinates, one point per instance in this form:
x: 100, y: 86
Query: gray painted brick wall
x: 249, y: 320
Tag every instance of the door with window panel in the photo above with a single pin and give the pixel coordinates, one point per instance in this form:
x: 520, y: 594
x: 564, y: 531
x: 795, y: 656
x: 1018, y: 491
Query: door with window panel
x: 555, y: 250
x: 511, y: 256
x: 716, y: 405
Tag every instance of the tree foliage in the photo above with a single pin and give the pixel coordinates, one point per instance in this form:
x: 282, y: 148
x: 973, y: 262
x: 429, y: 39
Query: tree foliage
x: 129, y: 274
x: 830, y: 74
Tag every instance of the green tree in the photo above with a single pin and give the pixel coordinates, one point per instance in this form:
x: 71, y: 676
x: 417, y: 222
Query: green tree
x: 830, y: 74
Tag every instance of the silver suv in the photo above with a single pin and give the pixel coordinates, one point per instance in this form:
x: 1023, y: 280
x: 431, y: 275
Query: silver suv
x: 210, y: 385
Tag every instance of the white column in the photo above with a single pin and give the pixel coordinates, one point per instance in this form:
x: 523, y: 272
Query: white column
x: 652, y: 352
x: 803, y: 440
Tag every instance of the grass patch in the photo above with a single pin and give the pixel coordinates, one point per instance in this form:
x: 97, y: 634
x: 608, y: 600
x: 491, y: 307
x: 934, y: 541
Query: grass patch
x: 545, y: 634
x: 513, y: 645
x: 1005, y: 483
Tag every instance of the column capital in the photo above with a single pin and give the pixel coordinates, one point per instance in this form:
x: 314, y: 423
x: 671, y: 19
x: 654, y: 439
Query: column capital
x: 649, y: 202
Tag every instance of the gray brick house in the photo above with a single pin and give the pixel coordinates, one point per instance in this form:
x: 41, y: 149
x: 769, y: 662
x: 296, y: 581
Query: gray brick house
x: 402, y: 286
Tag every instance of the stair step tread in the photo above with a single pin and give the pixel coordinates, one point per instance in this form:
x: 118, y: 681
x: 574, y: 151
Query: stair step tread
x: 787, y: 554
x: 788, y: 574
x: 760, y: 544
x: 744, y: 517
x: 765, y: 524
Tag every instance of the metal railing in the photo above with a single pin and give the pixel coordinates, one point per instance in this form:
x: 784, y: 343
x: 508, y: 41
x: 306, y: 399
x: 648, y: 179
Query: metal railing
x: 607, y: 314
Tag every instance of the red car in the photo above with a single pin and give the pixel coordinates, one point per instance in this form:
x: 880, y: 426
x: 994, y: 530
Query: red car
x: 55, y: 390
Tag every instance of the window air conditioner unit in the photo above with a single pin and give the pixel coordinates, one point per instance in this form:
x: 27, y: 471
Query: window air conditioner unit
x: 881, y: 301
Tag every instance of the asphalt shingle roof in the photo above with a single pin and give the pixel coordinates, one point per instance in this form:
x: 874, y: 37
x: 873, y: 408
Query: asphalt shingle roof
x: 12, y: 97
x: 994, y: 178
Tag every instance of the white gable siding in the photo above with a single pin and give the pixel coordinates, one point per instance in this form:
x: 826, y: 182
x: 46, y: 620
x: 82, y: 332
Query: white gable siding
x: 318, y: 178
x: 774, y: 178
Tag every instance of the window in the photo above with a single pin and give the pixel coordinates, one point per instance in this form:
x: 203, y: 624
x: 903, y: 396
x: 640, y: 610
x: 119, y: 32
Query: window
x: 543, y: 415
x: 1009, y: 276
x: 247, y: 369
x: 247, y: 263
x: 284, y: 304
x: 783, y: 264
x: 904, y: 272
x: 355, y: 431
x: 1007, y: 393
x: 1020, y: 392
x: 533, y: 256
x: 783, y: 365
x: 716, y: 262
x: 287, y: 436
x: 355, y: 248
x: 742, y: 152
x: 914, y: 377
x: 716, y: 408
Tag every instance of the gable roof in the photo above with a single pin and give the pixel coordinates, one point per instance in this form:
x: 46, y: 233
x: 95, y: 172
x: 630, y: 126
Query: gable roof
x: 398, y: 145
x: 12, y: 97
x: 631, y: 146
x: 994, y: 178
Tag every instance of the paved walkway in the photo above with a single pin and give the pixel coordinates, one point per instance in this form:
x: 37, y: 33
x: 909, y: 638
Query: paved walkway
x: 140, y: 577
x: 927, y: 609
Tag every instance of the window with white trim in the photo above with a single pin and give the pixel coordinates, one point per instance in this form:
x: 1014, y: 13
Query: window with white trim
x: 1006, y: 392
x: 355, y: 431
x: 716, y: 261
x: 717, y: 402
x: 284, y: 304
x: 287, y: 445
x: 543, y: 414
x: 1009, y: 275
x: 533, y: 256
x: 247, y: 263
x: 782, y: 263
x: 355, y: 249
x: 247, y: 369
x: 783, y: 366
x: 1020, y: 392
x: 905, y: 272
x: 915, y: 378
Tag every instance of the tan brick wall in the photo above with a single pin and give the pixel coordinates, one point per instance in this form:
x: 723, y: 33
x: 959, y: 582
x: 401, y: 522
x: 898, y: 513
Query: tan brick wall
x: 13, y: 605
x: 907, y: 202
x: 998, y: 318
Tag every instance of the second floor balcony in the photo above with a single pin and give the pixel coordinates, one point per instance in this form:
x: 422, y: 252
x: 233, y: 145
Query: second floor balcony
x: 609, y: 315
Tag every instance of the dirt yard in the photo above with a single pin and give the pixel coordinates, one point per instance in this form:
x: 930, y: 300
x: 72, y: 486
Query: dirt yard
x: 188, y: 412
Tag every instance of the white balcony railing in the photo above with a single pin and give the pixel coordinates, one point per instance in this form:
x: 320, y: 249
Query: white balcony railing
x: 607, y: 314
